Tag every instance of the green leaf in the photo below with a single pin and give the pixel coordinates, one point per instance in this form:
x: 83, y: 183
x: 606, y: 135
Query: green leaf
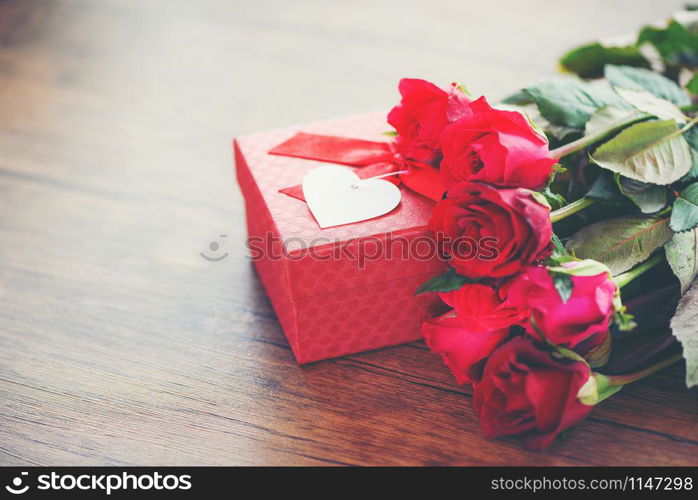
x: 692, y: 174
x: 555, y: 200
x: 518, y: 98
x: 673, y: 42
x: 538, y: 122
x: 682, y: 254
x: 570, y: 102
x: 564, y: 285
x: 588, y: 61
x: 653, y: 152
x: 606, y: 117
x: 624, y: 321
x: 604, y: 188
x: 645, y: 79
x: 648, y: 103
x: 559, y: 169
x: 692, y: 85
x: 621, y: 243
x: 691, y: 136
x: 684, y: 326
x: 560, y: 254
x: 446, y: 282
x: 390, y: 133
x: 684, y: 215
x: 649, y: 198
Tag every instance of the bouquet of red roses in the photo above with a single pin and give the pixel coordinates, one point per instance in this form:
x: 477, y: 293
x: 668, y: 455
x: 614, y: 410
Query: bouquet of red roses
x: 568, y: 218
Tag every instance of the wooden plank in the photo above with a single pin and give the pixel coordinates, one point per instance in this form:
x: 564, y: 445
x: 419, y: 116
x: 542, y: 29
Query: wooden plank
x: 120, y: 345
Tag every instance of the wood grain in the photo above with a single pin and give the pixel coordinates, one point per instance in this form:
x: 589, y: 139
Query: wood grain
x: 120, y: 345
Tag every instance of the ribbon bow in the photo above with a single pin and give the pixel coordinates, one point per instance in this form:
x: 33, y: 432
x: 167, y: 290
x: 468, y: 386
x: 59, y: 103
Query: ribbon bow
x: 370, y: 158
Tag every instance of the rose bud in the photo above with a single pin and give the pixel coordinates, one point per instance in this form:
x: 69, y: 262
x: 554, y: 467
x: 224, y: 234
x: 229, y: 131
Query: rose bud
x: 465, y: 336
x: 421, y: 116
x: 529, y: 391
x: 489, y: 232
x: 580, y: 322
x: 495, y: 146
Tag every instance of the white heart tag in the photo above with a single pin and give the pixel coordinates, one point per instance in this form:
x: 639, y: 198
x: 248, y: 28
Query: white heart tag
x: 336, y: 195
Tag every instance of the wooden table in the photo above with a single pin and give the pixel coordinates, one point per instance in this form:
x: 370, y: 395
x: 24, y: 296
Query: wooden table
x: 120, y: 345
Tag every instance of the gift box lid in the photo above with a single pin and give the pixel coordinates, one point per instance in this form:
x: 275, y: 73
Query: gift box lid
x: 343, y: 257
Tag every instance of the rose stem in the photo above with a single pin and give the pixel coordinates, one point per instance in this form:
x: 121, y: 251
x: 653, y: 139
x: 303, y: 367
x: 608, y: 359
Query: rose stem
x: 570, y: 209
x: 622, y: 280
x: 625, y: 278
x: 688, y: 125
x: 616, y: 380
x: 582, y: 203
x: 590, y: 139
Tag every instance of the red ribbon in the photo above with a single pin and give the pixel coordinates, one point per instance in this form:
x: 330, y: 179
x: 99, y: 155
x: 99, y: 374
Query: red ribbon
x: 371, y: 158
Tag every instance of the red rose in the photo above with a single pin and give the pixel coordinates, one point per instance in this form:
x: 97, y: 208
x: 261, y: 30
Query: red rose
x: 484, y: 308
x: 424, y: 179
x: 582, y: 321
x: 465, y: 336
x: 421, y: 116
x: 461, y: 348
x: 491, y: 232
x: 524, y: 390
x: 495, y: 146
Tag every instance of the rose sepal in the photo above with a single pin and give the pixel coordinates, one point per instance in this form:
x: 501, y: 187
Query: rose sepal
x: 596, y: 389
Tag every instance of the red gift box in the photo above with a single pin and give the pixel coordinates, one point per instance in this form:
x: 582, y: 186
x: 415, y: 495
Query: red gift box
x: 339, y: 290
